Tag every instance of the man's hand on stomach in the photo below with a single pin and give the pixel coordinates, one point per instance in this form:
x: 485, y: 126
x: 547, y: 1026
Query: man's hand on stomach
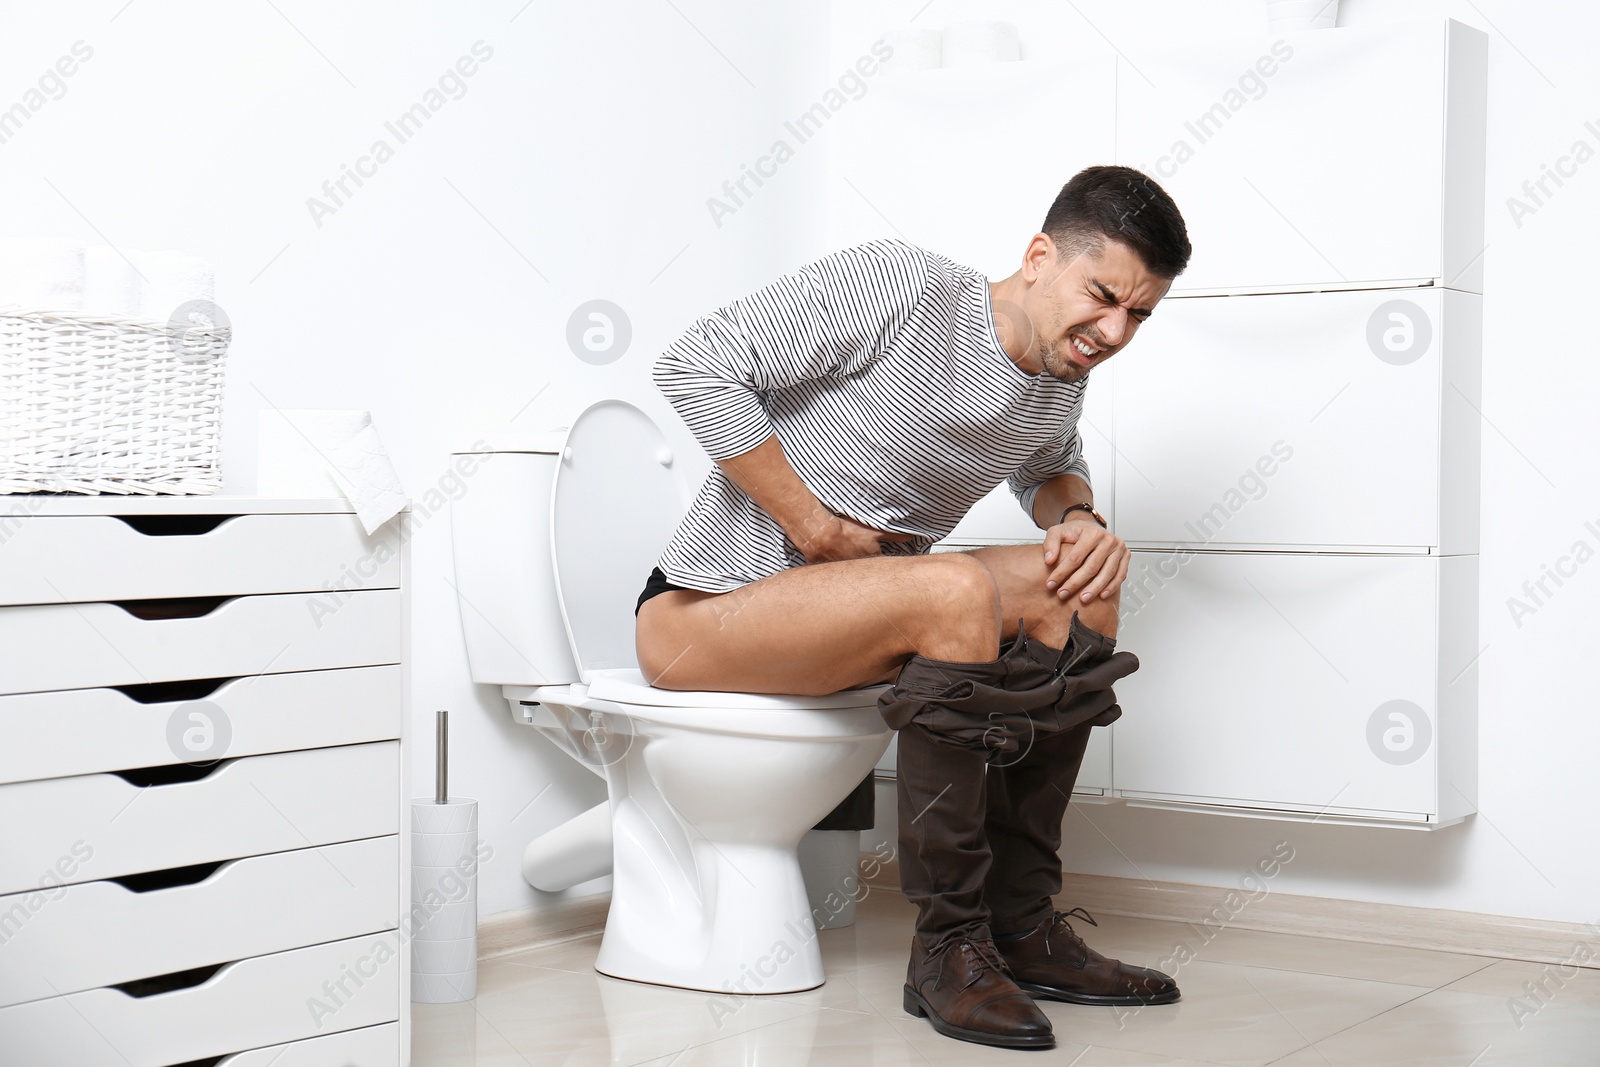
x: 824, y: 537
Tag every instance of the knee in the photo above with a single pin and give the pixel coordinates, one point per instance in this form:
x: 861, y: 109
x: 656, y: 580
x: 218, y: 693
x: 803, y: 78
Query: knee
x: 959, y: 606
x: 963, y: 585
x: 1101, y: 613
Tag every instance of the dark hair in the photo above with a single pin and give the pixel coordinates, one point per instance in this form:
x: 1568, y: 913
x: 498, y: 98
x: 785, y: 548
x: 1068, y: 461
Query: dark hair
x: 1125, y: 205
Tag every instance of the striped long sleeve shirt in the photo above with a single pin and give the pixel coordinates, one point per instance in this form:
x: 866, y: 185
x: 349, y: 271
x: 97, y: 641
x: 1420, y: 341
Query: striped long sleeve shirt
x: 879, y: 370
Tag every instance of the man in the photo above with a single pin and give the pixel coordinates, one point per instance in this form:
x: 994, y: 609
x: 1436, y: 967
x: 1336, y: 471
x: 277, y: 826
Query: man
x: 856, y: 410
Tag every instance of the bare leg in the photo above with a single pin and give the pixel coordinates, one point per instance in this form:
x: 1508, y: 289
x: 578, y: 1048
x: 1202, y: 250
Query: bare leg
x: 821, y: 628
x: 832, y: 626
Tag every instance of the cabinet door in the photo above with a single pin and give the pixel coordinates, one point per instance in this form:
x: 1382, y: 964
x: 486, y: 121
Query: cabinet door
x: 966, y: 161
x: 1307, y: 420
x: 1293, y: 682
x: 1315, y: 158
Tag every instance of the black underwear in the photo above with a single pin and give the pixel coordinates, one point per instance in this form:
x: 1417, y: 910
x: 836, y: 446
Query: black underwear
x: 655, y: 585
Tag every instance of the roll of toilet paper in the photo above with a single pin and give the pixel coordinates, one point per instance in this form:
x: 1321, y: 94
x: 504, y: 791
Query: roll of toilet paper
x: 911, y: 48
x: 444, y: 900
x: 170, y: 280
x: 41, y: 274
x: 968, y: 44
x: 311, y: 453
x: 110, y: 284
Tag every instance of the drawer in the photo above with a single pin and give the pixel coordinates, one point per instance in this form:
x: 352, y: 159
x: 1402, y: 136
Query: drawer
x: 81, y: 646
x: 1264, y: 146
x: 264, y: 1000
x: 1274, y: 422
x: 1267, y: 682
x: 101, y: 933
x: 61, y: 559
x: 371, y: 1046
x: 80, y: 829
x: 83, y: 731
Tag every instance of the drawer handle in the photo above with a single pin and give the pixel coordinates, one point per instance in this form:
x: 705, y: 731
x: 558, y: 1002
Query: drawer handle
x: 174, y: 525
x: 171, y: 878
x: 170, y: 692
x: 178, y: 607
x: 169, y: 774
x: 169, y: 983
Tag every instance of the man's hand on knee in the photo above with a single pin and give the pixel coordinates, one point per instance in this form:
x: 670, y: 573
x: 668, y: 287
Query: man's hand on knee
x: 1084, y: 560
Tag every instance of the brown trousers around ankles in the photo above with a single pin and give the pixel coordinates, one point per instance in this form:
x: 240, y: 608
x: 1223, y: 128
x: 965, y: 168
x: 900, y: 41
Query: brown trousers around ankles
x: 988, y: 754
x: 1027, y: 801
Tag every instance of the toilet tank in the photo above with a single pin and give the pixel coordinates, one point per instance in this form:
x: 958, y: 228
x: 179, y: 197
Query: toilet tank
x: 505, y: 579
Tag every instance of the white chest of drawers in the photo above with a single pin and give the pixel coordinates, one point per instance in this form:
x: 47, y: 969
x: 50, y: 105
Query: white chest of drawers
x: 202, y: 744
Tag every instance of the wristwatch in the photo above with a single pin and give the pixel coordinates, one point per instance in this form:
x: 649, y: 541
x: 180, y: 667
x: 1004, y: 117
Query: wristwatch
x: 1085, y: 506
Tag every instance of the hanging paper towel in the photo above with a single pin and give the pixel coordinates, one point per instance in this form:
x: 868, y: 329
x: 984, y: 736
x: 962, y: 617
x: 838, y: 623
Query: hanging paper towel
x: 309, y: 453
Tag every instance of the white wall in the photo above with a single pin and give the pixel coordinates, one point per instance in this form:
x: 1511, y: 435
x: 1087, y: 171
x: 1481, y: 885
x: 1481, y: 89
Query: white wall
x: 1526, y: 853
x: 589, y: 142
x: 578, y: 165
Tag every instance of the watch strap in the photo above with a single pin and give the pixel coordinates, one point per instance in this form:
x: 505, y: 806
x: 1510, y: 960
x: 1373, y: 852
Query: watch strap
x: 1081, y: 506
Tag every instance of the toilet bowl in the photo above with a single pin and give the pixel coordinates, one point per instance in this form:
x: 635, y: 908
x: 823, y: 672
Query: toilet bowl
x: 709, y: 792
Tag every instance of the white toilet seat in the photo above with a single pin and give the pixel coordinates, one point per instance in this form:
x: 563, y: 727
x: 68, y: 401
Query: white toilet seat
x: 626, y: 685
x: 852, y: 713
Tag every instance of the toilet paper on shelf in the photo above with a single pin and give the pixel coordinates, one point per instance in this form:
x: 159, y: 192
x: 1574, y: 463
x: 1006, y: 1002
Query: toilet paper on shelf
x: 968, y: 44
x: 170, y: 280
x: 911, y: 48
x: 312, y: 453
x: 41, y: 274
x: 111, y: 286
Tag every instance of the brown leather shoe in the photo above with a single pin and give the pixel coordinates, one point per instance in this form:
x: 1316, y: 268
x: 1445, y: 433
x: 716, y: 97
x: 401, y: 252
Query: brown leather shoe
x: 964, y: 991
x: 1053, y: 962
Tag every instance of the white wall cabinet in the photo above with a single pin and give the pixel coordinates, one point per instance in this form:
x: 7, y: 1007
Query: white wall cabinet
x: 201, y: 788
x: 1329, y: 421
x: 1307, y: 685
x: 1301, y: 416
x: 1318, y: 159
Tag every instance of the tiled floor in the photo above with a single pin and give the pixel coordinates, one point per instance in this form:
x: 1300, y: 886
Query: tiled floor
x: 1248, y: 999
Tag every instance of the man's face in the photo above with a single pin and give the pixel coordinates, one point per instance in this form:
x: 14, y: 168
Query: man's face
x: 1087, y: 302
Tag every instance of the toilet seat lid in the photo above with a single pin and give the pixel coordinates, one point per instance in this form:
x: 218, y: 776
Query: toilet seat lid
x: 614, y: 506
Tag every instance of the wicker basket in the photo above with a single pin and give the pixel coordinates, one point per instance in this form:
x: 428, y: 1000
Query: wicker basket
x: 100, y: 404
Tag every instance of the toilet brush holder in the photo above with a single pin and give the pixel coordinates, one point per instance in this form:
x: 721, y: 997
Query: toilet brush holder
x: 444, y: 900
x: 444, y: 888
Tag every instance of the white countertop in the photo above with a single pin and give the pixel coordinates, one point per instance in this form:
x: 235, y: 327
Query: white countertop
x: 23, y: 504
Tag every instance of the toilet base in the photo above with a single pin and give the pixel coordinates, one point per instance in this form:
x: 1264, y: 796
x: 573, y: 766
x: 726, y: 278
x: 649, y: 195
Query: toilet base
x: 754, y: 936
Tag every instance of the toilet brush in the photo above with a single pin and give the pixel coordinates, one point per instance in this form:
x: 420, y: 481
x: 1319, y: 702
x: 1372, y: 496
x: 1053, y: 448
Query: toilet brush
x: 444, y: 889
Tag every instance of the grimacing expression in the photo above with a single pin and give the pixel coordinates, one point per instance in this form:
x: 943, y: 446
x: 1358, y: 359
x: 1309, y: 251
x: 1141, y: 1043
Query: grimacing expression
x: 1085, y: 309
